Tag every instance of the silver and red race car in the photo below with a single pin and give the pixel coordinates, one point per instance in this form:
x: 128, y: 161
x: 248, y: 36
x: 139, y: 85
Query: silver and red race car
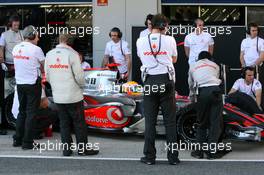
x: 110, y: 107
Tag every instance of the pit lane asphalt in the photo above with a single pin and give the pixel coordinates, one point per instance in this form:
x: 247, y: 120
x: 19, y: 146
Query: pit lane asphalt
x: 119, y: 154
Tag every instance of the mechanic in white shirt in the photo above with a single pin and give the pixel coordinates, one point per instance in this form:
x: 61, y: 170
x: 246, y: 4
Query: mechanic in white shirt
x: 248, y: 85
x: 252, y: 47
x: 157, y: 53
x: 28, y: 58
x: 147, y: 31
x: 198, y: 41
x: 117, y: 51
x: 204, y: 74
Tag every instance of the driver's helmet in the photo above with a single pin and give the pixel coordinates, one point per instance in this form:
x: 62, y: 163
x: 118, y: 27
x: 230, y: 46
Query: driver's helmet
x: 132, y: 88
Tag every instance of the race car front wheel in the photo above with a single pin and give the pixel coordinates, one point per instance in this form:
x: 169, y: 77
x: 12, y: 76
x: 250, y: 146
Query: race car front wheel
x: 187, y: 127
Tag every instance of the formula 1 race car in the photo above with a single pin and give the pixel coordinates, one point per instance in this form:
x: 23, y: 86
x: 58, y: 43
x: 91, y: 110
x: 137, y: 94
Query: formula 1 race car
x: 122, y: 112
x: 238, y: 124
x: 111, y: 107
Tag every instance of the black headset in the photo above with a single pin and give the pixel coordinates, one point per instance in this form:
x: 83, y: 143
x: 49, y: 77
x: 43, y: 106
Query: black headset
x: 159, y: 21
x: 245, y: 69
x: 243, y: 75
x: 116, y: 29
x: 252, y: 25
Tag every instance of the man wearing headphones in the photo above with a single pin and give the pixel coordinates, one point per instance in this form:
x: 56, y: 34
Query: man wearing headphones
x: 197, y: 41
x: 66, y: 77
x: 28, y: 58
x: 247, y: 84
x: 252, y: 47
x: 148, y: 25
x: 204, y: 75
x: 8, y: 41
x: 117, y: 51
x: 157, y: 53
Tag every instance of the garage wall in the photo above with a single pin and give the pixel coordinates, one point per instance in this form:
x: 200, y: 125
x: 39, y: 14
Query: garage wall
x: 119, y: 13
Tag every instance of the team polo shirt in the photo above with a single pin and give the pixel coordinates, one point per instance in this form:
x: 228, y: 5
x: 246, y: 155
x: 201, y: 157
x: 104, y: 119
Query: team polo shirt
x: 8, y: 40
x: 197, y: 44
x: 249, y: 48
x: 204, y: 73
x: 144, y: 33
x: 249, y: 89
x: 114, y: 49
x: 27, y: 58
x: 160, y: 64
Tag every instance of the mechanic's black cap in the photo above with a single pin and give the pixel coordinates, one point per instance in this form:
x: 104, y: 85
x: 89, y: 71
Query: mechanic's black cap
x: 204, y: 55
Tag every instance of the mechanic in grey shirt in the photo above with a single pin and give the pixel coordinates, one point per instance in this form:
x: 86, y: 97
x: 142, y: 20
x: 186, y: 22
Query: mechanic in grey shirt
x: 204, y: 74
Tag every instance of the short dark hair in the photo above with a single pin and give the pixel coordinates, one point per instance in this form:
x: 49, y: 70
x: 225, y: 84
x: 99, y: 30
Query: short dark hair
x: 252, y: 24
x: 248, y: 68
x: 13, y: 18
x: 149, y: 17
x: 204, y: 55
x: 159, y: 21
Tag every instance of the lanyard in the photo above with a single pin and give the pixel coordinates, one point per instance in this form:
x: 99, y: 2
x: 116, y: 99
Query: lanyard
x: 153, y: 53
x: 121, y: 47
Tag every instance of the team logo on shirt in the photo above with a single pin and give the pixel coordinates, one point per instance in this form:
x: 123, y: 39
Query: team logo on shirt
x: 20, y: 56
x: 154, y: 46
x: 58, y: 65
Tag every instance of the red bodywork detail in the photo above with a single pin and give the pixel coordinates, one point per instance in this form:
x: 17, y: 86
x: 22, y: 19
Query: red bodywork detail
x: 90, y: 100
x: 106, y: 117
x: 258, y: 117
x: 240, y: 114
x: 90, y: 69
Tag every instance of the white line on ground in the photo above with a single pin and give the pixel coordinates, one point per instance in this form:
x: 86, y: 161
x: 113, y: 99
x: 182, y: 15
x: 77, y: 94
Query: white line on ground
x: 124, y: 159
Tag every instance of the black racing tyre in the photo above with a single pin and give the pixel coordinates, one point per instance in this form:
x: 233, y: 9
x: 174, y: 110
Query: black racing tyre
x: 11, y: 120
x: 187, y: 126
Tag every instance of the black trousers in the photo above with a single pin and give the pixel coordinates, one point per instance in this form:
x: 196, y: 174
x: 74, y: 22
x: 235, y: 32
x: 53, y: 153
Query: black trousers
x: 44, y: 118
x: 29, y: 100
x: 72, y: 114
x: 152, y: 102
x: 210, y: 107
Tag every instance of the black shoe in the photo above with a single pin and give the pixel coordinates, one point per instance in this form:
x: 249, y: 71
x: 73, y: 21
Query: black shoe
x: 67, y: 153
x: 174, y: 162
x: 34, y: 146
x: 3, y: 132
x: 147, y: 161
x: 16, y: 143
x: 224, y: 152
x: 197, y: 154
x: 88, y: 152
x: 212, y: 156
